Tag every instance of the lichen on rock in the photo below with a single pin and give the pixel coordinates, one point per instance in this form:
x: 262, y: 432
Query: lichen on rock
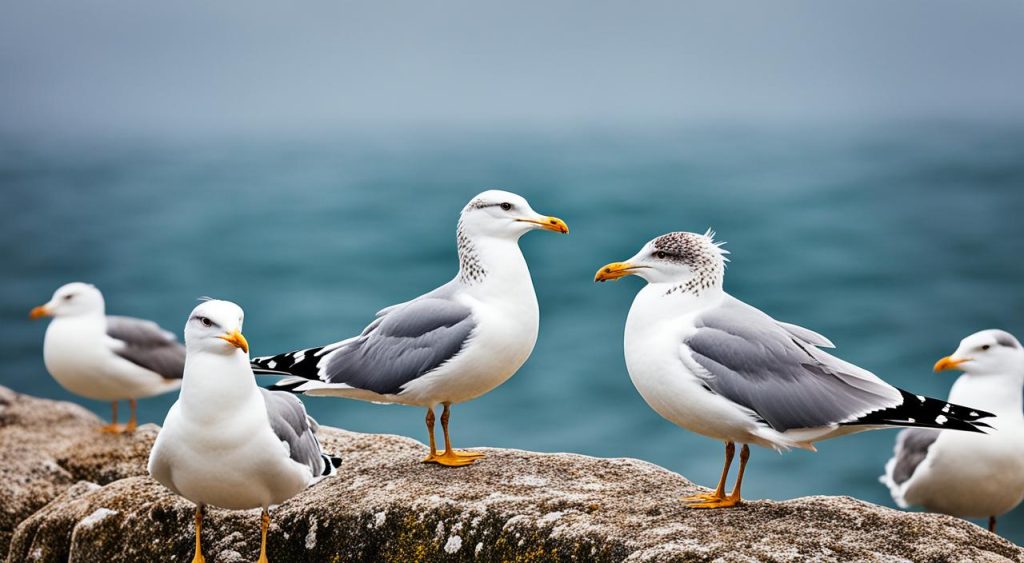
x: 78, y: 495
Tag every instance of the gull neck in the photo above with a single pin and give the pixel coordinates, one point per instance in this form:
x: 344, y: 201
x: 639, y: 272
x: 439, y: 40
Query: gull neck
x: 215, y: 385
x: 485, y: 259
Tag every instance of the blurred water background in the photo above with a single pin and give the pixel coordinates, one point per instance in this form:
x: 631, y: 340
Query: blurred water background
x: 895, y: 240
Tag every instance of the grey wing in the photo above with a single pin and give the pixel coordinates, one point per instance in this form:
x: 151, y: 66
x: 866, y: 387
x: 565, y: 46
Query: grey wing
x: 807, y: 335
x: 293, y: 427
x: 911, y: 448
x: 401, y: 345
x: 145, y: 344
x: 752, y: 360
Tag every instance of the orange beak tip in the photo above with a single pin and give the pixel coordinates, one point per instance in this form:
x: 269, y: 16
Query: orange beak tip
x: 557, y: 225
x: 237, y: 340
x: 548, y: 224
x: 614, y: 271
x: 38, y: 312
x: 948, y: 363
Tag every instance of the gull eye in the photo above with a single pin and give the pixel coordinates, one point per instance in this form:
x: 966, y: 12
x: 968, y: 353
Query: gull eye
x: 506, y: 206
x: 986, y: 347
x: 68, y: 296
x: 206, y: 322
x: 660, y: 254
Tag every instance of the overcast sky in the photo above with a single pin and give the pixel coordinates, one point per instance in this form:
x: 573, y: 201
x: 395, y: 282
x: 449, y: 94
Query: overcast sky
x: 190, y: 66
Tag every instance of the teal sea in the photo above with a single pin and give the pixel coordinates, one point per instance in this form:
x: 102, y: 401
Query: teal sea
x: 894, y: 241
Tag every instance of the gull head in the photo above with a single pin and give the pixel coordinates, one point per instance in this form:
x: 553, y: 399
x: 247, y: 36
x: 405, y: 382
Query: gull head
x: 990, y: 351
x: 501, y: 214
x: 70, y: 300
x: 692, y: 261
x: 216, y: 327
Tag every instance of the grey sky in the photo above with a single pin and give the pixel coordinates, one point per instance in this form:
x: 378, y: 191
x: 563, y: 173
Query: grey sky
x: 189, y: 66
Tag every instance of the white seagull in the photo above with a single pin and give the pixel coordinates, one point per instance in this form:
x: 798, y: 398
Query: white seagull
x: 969, y: 475
x: 107, y: 358
x: 447, y: 346
x: 226, y: 442
x: 716, y: 366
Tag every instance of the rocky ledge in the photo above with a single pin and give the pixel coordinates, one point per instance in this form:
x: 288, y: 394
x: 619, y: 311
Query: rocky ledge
x: 71, y: 493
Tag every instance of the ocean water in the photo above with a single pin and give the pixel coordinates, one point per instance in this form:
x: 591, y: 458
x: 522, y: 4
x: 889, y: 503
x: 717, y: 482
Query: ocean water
x: 894, y: 241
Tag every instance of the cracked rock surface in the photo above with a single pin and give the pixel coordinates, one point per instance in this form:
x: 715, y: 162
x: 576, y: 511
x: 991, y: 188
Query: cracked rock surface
x: 71, y: 493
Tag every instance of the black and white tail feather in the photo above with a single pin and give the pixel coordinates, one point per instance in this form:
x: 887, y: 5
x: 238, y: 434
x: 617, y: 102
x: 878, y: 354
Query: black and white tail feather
x: 300, y: 362
x: 331, y: 465
x: 918, y: 411
x: 298, y: 368
x: 331, y: 462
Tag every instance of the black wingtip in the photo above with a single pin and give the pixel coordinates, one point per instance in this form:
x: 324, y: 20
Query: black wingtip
x: 918, y: 411
x: 331, y: 463
x: 300, y: 363
x: 979, y: 427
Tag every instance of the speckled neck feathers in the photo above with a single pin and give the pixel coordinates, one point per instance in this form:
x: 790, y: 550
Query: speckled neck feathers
x: 705, y: 258
x: 471, y: 269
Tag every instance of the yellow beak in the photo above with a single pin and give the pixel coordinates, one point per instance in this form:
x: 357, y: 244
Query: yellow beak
x: 37, y: 312
x: 236, y: 339
x: 549, y: 224
x: 614, y: 271
x: 948, y: 363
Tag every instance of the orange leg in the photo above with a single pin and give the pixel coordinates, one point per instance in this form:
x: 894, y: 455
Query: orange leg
x: 451, y: 457
x: 113, y: 427
x: 734, y: 498
x: 719, y: 494
x: 263, y: 537
x: 447, y: 439
x: 198, y: 558
x: 430, y: 434
x: 133, y: 421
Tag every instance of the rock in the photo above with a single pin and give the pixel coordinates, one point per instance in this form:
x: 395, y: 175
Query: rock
x: 47, y: 446
x: 78, y: 495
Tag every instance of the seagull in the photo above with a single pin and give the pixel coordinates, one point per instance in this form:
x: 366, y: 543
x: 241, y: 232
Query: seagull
x: 226, y: 442
x: 447, y: 346
x: 107, y: 358
x: 969, y: 475
x: 719, y: 367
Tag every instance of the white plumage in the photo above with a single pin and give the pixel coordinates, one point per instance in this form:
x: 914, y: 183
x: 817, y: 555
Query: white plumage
x: 969, y: 475
x: 103, y: 357
x: 447, y: 346
x: 716, y: 366
x: 226, y: 442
